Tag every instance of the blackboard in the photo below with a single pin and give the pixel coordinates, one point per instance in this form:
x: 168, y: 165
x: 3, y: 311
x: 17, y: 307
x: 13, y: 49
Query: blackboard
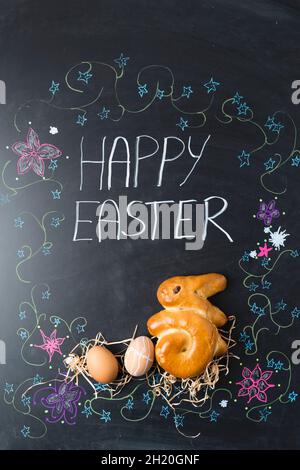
x: 188, y: 70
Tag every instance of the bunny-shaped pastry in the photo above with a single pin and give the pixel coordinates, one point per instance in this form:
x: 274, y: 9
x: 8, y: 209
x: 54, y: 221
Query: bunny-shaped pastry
x: 188, y: 338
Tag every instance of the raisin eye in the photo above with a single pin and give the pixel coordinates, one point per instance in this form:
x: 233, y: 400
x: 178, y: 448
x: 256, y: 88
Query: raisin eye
x: 176, y: 289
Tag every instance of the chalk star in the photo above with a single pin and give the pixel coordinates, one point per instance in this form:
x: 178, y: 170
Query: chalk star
x: 55, y: 222
x: 52, y: 165
x: 104, y: 113
x: 294, y: 253
x: 223, y: 403
x: 295, y: 312
x: 278, y: 365
x: 46, y: 250
x: 37, y: 379
x: 142, y: 90
x: 270, y: 122
x: 244, y: 159
x: 214, y: 416
x: 105, y: 416
x: 269, y: 164
x: 248, y: 345
x: 53, y: 130
x: 100, y: 387
x: 84, y: 77
x: 237, y: 98
x: 242, y: 109
x: 146, y: 397
x: 129, y: 404
x: 254, y: 308
x: 270, y: 363
x: 46, y: 295
x: 265, y: 262
x: 252, y: 287
x: 187, y: 91
x: 266, y: 284
x: 4, y: 199
x: 178, y: 420
x: 22, y: 315
x: 19, y: 222
x: 253, y: 254
x: 245, y: 256
x: 211, y: 85
x: 23, y: 334
x: 295, y: 161
x: 182, y: 123
x: 277, y: 127
x: 292, y: 396
x: 9, y: 388
x: 87, y: 411
x: 56, y: 194
x: 243, y: 336
x: 80, y: 329
x: 280, y: 305
x: 54, y: 88
x: 160, y: 94
x: 122, y: 61
x: 164, y: 412
x: 26, y: 400
x: 264, y: 414
x: 56, y: 322
x: 81, y: 119
x: 264, y: 250
x: 25, y: 431
x: 51, y: 344
x: 20, y: 254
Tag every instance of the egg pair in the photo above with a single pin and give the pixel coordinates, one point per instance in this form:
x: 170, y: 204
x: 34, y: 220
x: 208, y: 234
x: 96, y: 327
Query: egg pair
x: 103, y: 366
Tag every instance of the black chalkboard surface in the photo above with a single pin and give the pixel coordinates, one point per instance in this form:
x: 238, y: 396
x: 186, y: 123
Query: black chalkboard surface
x: 211, y: 80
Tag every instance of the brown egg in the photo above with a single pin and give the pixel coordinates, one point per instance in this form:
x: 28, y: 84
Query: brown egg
x: 102, y: 364
x: 139, y: 356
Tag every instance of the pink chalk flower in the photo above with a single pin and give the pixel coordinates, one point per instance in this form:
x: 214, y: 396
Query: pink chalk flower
x: 255, y: 384
x: 32, y: 154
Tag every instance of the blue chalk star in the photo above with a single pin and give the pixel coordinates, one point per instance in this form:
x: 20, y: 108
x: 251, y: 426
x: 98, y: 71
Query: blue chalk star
x: 295, y: 312
x: 54, y: 88
x: 55, y: 222
x: 182, y: 123
x: 249, y: 345
x: 246, y: 256
x: 4, y: 199
x: 129, y: 404
x: 80, y: 329
x: 81, y: 119
x: 270, y: 363
x: 242, y: 109
x: 264, y: 414
x: 187, y: 91
x: 178, y: 420
x: 295, y: 161
x: 265, y: 262
x: 237, y: 98
x: 292, y: 396
x: 278, y: 365
x: 46, y: 250
x: 23, y: 334
x: 146, y: 397
x: 56, y: 322
x: 142, y: 90
x: 22, y: 315
x: 266, y: 284
x: 270, y: 122
x: 52, y: 165
x: 87, y: 411
x: 244, y: 159
x: 280, y: 305
x: 100, y: 387
x: 269, y: 164
x: 9, y: 388
x: 243, y: 336
x: 46, y: 295
x: 122, y: 61
x: 84, y: 77
x: 25, y: 431
x: 105, y: 416
x: 211, y: 85
x: 18, y: 222
x: 252, y: 287
x: 104, y: 113
x: 37, y: 379
x: 160, y: 94
x: 277, y: 127
x: 294, y: 253
x: 26, y: 400
x: 164, y: 412
x: 56, y: 194
x: 214, y: 416
x: 20, y: 254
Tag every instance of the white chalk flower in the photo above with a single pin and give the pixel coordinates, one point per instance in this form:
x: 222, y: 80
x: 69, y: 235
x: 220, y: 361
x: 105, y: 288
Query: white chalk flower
x: 53, y: 130
x: 223, y: 403
x: 277, y: 239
